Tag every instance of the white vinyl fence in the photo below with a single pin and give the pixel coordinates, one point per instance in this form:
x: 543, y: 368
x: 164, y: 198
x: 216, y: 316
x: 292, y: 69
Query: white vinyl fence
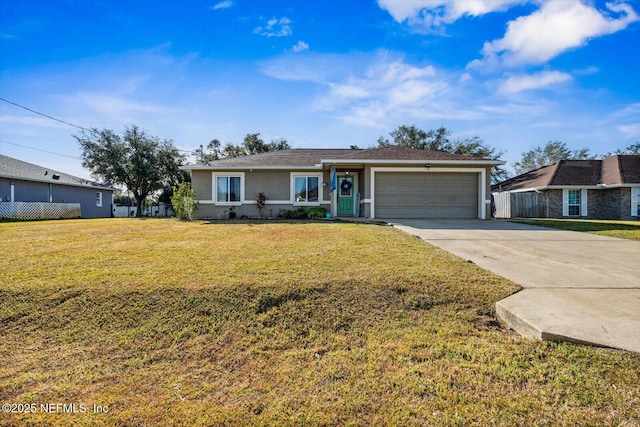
x: 39, y: 210
x: 156, y: 210
x: 124, y: 211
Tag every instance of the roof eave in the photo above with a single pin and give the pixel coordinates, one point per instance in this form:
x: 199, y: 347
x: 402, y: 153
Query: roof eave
x: 413, y: 162
x: 22, y: 178
x: 576, y: 187
x: 254, y: 167
x: 324, y: 162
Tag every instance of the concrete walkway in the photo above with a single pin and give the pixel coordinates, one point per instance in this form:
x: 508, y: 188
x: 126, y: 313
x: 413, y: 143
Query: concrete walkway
x: 578, y: 287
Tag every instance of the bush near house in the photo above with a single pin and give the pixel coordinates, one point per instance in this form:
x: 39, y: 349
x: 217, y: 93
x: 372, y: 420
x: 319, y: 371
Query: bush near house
x: 184, y: 201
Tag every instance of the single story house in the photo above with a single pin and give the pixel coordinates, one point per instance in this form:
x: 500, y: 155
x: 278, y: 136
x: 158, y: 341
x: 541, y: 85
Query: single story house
x: 25, y: 182
x: 386, y: 183
x: 598, y: 189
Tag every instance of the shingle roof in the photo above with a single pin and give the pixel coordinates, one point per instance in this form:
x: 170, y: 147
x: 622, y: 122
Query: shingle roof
x: 577, y: 172
x: 314, y: 157
x: 17, y: 169
x: 614, y: 170
x: 401, y: 153
x: 294, y: 157
x: 533, y: 179
x: 629, y: 169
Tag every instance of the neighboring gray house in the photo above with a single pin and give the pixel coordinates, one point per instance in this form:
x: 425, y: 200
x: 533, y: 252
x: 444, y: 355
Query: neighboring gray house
x: 599, y: 189
x: 385, y: 183
x: 25, y: 182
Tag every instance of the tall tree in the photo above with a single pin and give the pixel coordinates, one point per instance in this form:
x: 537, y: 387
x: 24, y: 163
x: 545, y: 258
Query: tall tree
x: 252, y: 144
x: 439, y: 140
x: 632, y: 149
x: 552, y: 152
x: 476, y: 147
x: 414, y: 137
x: 142, y: 163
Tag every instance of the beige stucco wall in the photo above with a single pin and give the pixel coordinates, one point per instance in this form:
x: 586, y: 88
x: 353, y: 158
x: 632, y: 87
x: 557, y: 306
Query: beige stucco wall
x: 276, y: 185
x: 201, y: 182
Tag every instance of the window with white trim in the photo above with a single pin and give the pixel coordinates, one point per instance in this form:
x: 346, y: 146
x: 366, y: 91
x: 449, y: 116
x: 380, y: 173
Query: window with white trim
x: 638, y: 201
x: 306, y: 189
x: 99, y: 199
x: 574, y: 202
x: 228, y: 189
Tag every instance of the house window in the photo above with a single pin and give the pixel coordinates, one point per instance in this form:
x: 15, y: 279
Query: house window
x: 99, y: 199
x: 638, y: 201
x: 228, y: 189
x: 574, y: 202
x: 306, y: 189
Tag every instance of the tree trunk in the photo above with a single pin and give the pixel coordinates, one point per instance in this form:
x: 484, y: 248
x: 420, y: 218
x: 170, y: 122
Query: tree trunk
x: 140, y: 201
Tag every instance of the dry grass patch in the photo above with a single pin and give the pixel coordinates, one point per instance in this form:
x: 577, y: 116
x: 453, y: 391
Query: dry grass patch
x: 171, y: 323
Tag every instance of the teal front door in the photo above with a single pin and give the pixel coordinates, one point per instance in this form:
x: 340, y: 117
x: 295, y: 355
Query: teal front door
x: 345, y: 195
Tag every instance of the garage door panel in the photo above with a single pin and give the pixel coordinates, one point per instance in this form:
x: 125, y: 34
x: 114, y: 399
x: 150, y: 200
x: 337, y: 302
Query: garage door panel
x: 426, y: 195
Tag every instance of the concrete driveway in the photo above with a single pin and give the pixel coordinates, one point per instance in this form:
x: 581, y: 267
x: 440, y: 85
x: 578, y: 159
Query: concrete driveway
x: 578, y: 287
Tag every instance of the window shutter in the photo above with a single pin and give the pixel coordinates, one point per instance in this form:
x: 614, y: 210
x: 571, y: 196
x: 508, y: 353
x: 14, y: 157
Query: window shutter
x: 565, y: 202
x: 583, y: 202
x: 634, y: 201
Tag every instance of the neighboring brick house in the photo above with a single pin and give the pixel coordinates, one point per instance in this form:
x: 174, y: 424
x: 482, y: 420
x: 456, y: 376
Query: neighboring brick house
x: 25, y: 182
x: 598, y: 189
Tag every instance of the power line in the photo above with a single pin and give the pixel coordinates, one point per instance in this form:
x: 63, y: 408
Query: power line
x: 42, y: 114
x: 57, y: 120
x: 38, y: 149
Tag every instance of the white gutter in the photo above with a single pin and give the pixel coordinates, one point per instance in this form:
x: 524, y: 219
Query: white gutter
x: 414, y: 162
x: 326, y: 162
x: 226, y: 168
x: 575, y: 187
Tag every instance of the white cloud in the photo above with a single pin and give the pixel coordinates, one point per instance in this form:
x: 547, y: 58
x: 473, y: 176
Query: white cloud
x: 631, y: 110
x: 31, y: 121
x: 300, y: 46
x: 275, y: 28
x: 313, y: 67
x: 631, y: 130
x: 435, y: 13
x: 626, y: 120
x: 556, y: 27
x: 348, y: 91
x: 222, y: 5
x: 515, y: 84
x: 368, y: 89
x: 113, y: 104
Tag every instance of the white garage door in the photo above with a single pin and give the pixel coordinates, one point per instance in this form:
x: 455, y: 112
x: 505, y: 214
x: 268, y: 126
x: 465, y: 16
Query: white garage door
x: 426, y: 195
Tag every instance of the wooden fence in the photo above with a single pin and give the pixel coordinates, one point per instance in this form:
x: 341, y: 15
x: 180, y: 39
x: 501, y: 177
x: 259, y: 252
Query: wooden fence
x: 519, y: 205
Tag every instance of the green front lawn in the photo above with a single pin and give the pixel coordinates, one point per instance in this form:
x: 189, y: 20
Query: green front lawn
x: 169, y: 323
x: 612, y: 228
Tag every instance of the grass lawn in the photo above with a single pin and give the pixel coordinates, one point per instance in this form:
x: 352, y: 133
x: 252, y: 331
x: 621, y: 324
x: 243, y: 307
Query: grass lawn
x: 169, y: 323
x: 612, y: 228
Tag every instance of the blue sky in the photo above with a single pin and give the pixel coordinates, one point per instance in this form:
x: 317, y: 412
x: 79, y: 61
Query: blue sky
x: 320, y: 74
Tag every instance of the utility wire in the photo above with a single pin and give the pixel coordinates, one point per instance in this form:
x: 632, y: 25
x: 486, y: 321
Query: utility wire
x: 57, y: 120
x: 42, y: 114
x: 37, y: 149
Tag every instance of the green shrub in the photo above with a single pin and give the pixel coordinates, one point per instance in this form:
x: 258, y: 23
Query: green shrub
x: 317, y: 212
x: 300, y: 213
x: 184, y: 201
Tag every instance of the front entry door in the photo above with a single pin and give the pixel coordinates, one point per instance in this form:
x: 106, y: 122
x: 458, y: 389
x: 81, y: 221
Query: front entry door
x: 345, y: 195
